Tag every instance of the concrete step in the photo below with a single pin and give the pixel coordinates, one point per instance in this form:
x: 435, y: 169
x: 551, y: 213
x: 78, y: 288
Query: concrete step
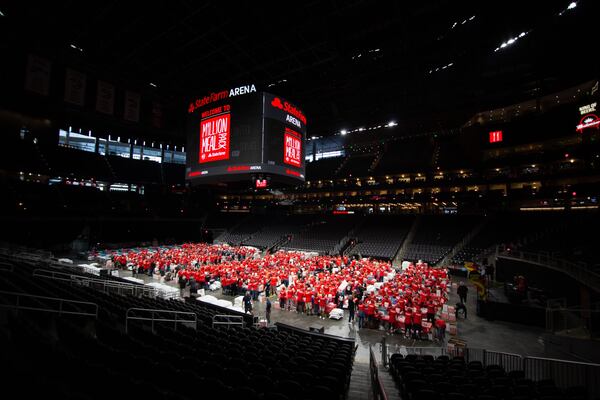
x: 360, y: 382
x: 391, y: 390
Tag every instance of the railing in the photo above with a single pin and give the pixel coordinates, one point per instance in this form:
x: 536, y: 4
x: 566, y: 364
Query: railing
x: 579, y: 272
x: 155, y: 317
x: 564, y: 373
x: 227, y: 320
x: 509, y: 361
x: 24, y: 301
x: 577, y: 322
x: 376, y: 385
x: 104, y: 285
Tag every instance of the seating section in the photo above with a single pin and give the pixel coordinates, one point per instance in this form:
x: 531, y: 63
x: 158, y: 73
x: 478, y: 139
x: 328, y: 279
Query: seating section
x: 128, y: 170
x: 357, y: 165
x: 521, y: 230
x: 66, y: 162
x: 100, y: 360
x: 402, y: 156
x: 381, y: 236
x: 426, y: 378
x: 242, y: 232
x: 323, y: 234
x: 18, y: 155
x: 223, y: 220
x: 270, y: 235
x: 436, y: 236
x: 571, y: 238
x: 323, y: 168
x: 174, y: 174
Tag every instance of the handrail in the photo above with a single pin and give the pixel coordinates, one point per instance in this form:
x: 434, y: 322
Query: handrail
x: 377, y: 387
x: 564, y: 372
x: 583, y: 275
x: 106, y: 284
x: 230, y: 320
x: 153, y: 319
x: 61, y: 302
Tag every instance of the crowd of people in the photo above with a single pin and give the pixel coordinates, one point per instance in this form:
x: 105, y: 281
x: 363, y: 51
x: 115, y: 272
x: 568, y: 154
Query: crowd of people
x: 371, y: 291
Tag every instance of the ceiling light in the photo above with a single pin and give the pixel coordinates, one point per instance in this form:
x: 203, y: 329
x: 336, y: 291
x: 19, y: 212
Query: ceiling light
x: 343, y: 132
x: 572, y: 5
x: 2, y: 14
x: 153, y: 84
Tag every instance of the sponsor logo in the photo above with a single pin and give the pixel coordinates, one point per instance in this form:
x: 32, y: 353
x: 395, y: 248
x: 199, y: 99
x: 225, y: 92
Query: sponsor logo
x: 236, y: 168
x: 223, y: 94
x: 290, y: 109
x: 589, y: 121
x: 293, y: 173
x: 277, y: 103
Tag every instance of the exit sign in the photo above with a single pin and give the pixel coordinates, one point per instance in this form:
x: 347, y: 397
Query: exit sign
x: 495, y: 136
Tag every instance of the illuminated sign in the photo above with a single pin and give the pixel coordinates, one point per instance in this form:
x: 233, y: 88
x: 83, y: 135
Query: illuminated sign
x: 292, y: 148
x: 495, y: 136
x: 588, y: 121
x: 261, y: 183
x: 224, y: 94
x: 290, y: 109
x: 589, y: 108
x: 214, y: 138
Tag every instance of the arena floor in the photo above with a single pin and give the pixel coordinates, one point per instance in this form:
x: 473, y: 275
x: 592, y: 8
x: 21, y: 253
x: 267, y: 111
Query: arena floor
x: 477, y: 332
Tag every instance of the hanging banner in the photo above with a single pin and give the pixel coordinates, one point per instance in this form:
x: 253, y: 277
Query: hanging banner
x: 105, y: 98
x: 37, y: 76
x: 75, y: 82
x: 132, y: 106
x: 157, y: 115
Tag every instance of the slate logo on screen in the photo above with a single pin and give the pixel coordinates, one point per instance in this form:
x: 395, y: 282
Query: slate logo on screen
x: 214, y: 138
x: 277, y: 103
x: 292, y: 148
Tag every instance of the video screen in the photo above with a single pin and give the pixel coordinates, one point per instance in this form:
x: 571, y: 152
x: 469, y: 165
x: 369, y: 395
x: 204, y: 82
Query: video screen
x: 246, y: 135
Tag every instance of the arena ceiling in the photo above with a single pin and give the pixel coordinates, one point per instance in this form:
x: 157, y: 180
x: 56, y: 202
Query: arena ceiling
x: 423, y: 64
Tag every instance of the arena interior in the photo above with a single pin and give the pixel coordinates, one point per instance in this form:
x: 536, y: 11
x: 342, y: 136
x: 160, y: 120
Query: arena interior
x: 314, y: 200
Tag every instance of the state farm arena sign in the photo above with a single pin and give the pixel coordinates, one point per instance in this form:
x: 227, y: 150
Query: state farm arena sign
x: 222, y: 95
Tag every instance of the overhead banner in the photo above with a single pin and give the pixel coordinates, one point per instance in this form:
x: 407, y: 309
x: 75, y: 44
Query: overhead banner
x: 105, y: 98
x: 132, y: 106
x: 75, y: 82
x: 157, y: 115
x: 37, y: 76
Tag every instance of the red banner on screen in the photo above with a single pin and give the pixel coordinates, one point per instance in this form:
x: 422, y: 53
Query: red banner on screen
x: 292, y: 148
x: 261, y: 183
x: 214, y: 138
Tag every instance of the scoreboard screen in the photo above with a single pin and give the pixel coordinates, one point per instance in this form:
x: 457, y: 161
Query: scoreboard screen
x: 239, y: 134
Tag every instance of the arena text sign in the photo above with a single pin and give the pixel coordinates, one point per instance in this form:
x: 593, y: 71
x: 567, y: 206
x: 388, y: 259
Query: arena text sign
x: 223, y: 94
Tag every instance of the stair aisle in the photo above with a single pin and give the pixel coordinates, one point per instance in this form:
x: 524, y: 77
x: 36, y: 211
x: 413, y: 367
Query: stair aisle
x: 360, y: 386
